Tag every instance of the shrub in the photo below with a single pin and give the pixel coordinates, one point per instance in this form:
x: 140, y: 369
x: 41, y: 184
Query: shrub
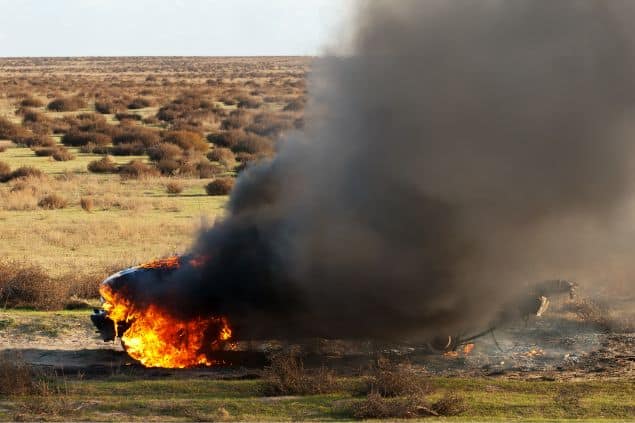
x: 78, y: 138
x: 129, y: 135
x: 174, y: 187
x: 63, y: 155
x: 187, y: 140
x: 253, y: 144
x: 104, y: 108
x: 87, y: 203
x: 220, y: 186
x: 103, y: 165
x: 128, y: 149
x: 24, y: 172
x: 66, y: 104
x: 31, y: 116
x: 226, y: 138
x: 286, y: 375
x: 377, y: 407
x: 206, y: 169
x: 31, y: 102
x: 25, y: 285
x: 53, y: 201
x: 36, y: 140
x: 165, y: 151
x: 236, y: 120
x: 139, y: 103
x: 45, y: 151
x: 294, y: 106
x: 127, y: 116
x: 391, y: 380
x: 3, y: 148
x: 222, y: 155
x: 268, y: 125
x: 168, y: 166
x: 5, y: 170
x: 137, y: 169
x: 8, y: 129
x: 250, y: 102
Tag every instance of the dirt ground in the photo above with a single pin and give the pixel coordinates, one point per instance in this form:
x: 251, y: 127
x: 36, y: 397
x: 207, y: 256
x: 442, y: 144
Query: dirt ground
x: 559, y: 346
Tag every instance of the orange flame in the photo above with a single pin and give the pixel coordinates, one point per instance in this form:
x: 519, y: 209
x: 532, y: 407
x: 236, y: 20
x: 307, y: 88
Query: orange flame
x: 157, y: 339
x: 467, y: 348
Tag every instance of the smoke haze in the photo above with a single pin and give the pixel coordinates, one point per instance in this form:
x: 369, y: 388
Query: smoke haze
x: 465, y: 149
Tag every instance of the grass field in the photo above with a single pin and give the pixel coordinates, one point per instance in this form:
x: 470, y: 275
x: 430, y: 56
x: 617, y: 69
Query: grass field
x: 183, y: 398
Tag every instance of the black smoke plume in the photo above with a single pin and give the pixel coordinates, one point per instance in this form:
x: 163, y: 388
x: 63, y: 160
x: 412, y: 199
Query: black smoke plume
x: 457, y: 154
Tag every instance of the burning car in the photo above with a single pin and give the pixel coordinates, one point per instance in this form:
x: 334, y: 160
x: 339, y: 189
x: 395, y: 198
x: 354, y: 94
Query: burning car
x: 147, y: 332
x: 155, y: 338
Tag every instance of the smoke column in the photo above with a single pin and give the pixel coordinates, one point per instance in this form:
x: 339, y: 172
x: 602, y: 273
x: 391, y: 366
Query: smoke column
x: 464, y: 149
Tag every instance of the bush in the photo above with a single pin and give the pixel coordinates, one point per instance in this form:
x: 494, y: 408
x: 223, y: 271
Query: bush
x: 226, y: 138
x: 377, y: 407
x: 45, y: 151
x: 137, y: 169
x: 294, y: 106
x: 78, y: 138
x: 165, y: 151
x: 220, y: 186
x: 139, y: 103
x: 236, y: 120
x: 391, y: 380
x: 63, y: 155
x: 253, y: 144
x: 286, y: 375
x: 52, y: 202
x: 250, y: 102
x: 128, y: 149
x: 25, y: 285
x: 66, y: 104
x: 36, y: 140
x: 268, y: 125
x: 24, y: 172
x: 206, y: 169
x: 168, y: 166
x: 133, y: 134
x: 8, y: 129
x: 3, y: 148
x: 128, y: 116
x: 174, y: 187
x: 5, y: 170
x: 187, y: 140
x: 103, y: 165
x: 222, y: 155
x: 87, y: 204
x: 31, y: 102
x: 104, y: 108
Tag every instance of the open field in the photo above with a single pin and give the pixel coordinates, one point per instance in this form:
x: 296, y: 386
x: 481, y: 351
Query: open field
x: 131, y: 219
x: 106, y: 163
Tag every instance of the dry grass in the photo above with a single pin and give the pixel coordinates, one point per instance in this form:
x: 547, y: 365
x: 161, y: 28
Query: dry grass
x: 390, y: 379
x: 24, y: 284
x: 220, y: 186
x: 174, y: 187
x: 286, y: 375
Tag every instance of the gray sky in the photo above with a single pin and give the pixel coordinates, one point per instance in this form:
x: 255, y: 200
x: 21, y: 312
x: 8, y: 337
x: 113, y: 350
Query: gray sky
x: 169, y: 27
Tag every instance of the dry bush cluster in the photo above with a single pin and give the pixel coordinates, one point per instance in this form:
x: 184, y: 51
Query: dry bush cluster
x: 398, y: 391
x: 220, y: 186
x: 24, y: 284
x: 235, y: 109
x: 286, y: 375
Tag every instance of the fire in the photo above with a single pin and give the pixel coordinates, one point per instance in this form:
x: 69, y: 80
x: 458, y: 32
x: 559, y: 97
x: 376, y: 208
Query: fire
x: 466, y: 350
x: 157, y: 339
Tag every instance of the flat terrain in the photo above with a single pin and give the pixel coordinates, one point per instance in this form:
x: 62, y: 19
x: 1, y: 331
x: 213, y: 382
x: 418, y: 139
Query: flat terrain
x: 169, y: 128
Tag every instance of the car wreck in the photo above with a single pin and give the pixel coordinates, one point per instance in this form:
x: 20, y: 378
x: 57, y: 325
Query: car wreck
x: 533, y: 301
